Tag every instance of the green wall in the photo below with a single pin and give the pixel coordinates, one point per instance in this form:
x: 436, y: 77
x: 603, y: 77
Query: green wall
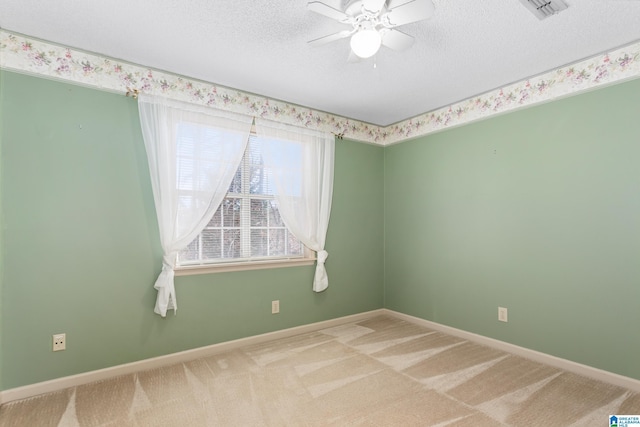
x: 1, y: 220
x: 537, y: 211
x: 81, y: 246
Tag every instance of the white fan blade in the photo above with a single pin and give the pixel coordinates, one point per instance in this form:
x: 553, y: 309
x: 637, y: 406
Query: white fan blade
x: 326, y: 10
x: 397, y: 40
x: 411, y: 11
x: 330, y: 38
x: 373, y: 5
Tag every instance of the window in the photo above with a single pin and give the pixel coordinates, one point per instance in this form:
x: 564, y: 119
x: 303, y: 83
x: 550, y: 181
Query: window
x: 195, y: 157
x: 247, y: 226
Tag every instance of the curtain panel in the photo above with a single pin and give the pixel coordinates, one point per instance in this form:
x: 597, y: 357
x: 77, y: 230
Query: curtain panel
x: 193, y: 153
x: 301, y: 163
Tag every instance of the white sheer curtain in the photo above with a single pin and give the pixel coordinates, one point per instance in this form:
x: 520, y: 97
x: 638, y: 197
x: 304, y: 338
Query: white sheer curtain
x: 301, y: 163
x: 193, y: 154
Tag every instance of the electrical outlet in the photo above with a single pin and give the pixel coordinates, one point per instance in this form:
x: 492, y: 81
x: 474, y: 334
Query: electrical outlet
x: 502, y: 314
x: 275, y: 307
x: 59, y: 342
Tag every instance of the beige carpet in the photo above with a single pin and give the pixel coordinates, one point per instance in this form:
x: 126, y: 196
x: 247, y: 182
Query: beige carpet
x: 379, y: 372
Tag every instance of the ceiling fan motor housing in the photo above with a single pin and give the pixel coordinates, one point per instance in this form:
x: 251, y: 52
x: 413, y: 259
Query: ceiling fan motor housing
x: 372, y: 22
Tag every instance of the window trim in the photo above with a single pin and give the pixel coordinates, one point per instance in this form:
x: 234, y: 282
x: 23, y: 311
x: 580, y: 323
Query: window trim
x: 308, y: 256
x: 189, y: 270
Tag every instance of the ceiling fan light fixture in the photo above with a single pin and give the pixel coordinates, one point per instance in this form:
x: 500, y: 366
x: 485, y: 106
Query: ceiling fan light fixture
x: 365, y: 43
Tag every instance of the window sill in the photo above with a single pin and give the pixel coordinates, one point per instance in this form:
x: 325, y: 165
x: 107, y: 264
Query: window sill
x: 242, y: 266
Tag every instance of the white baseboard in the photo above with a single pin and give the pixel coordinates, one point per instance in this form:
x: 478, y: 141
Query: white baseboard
x: 185, y: 356
x: 170, y: 359
x: 547, y: 359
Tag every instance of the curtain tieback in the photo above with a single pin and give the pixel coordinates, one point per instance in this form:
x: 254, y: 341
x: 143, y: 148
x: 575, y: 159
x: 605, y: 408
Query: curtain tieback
x: 167, y: 271
x: 322, y: 256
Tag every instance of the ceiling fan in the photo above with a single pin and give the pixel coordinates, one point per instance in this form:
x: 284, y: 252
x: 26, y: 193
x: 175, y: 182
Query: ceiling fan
x: 373, y: 23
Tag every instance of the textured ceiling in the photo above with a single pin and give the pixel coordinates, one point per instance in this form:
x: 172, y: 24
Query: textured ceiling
x: 468, y: 47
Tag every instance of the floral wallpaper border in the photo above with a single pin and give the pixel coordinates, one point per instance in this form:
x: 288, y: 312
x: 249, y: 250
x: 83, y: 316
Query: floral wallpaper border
x: 23, y: 54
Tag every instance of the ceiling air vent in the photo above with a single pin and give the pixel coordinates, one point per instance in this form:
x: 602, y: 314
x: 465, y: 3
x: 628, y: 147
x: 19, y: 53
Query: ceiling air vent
x: 544, y: 8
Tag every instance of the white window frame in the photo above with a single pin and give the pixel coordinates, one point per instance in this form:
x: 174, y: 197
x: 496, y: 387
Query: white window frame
x: 307, y: 259
x: 243, y: 264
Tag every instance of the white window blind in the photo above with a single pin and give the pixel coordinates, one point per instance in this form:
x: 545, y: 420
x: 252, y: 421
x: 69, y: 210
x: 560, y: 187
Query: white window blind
x: 247, y: 226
